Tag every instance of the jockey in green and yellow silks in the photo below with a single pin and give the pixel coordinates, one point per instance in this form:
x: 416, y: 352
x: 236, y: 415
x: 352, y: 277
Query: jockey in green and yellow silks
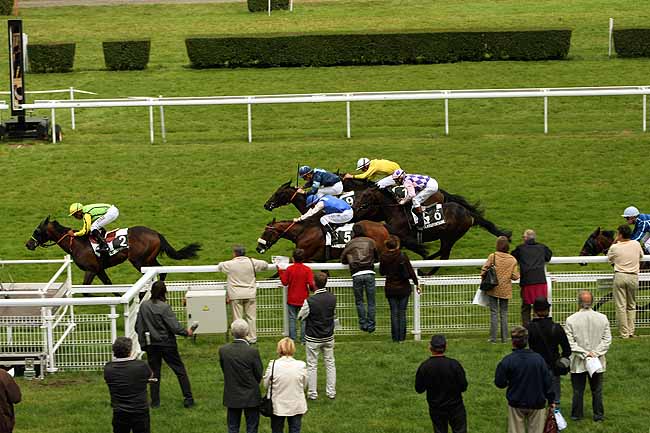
x: 95, y: 217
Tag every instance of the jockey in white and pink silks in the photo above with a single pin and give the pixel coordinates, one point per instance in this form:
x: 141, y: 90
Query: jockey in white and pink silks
x: 418, y: 189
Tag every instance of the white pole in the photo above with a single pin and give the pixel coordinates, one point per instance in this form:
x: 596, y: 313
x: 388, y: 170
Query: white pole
x: 162, y: 122
x: 417, y: 329
x: 545, y: 114
x: 151, y: 124
x: 113, y: 316
x: 269, y: 7
x: 611, y: 37
x: 347, y: 116
x: 446, y: 116
x: 285, y: 313
x: 53, y: 126
x: 290, y: 5
x: 72, y: 109
x: 51, y: 367
x: 644, y: 113
x: 250, y: 123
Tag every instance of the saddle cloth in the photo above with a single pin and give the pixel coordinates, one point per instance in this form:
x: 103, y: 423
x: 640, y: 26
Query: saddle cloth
x: 344, y: 234
x: 117, y: 241
x: 348, y: 197
x: 432, y: 215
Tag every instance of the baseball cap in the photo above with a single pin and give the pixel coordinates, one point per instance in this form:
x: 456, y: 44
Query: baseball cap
x: 541, y: 304
x: 438, y: 341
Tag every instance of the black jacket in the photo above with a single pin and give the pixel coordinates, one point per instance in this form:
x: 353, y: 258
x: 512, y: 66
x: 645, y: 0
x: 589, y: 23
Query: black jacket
x: 444, y: 381
x: 127, y: 382
x: 242, y: 371
x: 544, y: 337
x: 396, y: 266
x: 527, y: 378
x: 159, y: 320
x: 532, y: 258
x: 319, y: 326
x: 360, y: 253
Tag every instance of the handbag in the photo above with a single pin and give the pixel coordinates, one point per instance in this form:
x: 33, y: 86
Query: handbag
x: 266, y: 404
x: 489, y: 280
x: 550, y: 426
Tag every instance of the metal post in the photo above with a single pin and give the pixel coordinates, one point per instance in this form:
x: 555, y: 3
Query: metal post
x: 417, y: 330
x: 644, y: 113
x: 68, y: 279
x: 51, y: 367
x: 446, y: 116
x: 545, y: 114
x: 611, y: 33
x: 113, y: 316
x: 250, y: 123
x: 290, y: 5
x: 162, y: 122
x: 151, y: 123
x: 269, y: 7
x: 72, y: 109
x: 285, y: 313
x: 347, y: 116
x: 53, y: 126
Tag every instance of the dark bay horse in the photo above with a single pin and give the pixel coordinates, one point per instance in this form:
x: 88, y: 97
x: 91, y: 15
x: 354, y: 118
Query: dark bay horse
x: 144, y: 247
x: 380, y: 205
x: 309, y: 236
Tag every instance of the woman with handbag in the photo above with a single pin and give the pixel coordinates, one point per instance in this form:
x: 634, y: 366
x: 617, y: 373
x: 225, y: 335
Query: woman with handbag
x: 506, y: 271
x: 396, y: 266
x: 285, y: 381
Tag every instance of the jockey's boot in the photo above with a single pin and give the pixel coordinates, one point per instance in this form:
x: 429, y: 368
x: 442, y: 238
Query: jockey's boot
x: 332, y: 231
x: 419, y: 211
x: 103, y: 246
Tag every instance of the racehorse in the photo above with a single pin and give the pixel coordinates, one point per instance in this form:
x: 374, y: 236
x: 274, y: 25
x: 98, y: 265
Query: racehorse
x: 381, y: 205
x: 144, y: 247
x: 309, y: 236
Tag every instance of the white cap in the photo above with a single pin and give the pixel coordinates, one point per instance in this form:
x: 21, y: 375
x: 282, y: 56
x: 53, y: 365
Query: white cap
x: 630, y: 211
x: 362, y: 162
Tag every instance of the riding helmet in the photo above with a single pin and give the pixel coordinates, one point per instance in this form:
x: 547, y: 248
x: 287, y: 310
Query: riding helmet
x: 398, y: 173
x: 362, y: 163
x: 630, y: 211
x: 304, y: 170
x: 75, y: 207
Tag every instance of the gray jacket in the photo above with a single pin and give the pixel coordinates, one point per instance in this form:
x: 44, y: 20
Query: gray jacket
x: 360, y: 253
x: 159, y: 320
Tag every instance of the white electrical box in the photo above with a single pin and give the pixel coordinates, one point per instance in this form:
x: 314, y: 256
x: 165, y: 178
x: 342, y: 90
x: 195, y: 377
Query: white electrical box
x: 208, y: 308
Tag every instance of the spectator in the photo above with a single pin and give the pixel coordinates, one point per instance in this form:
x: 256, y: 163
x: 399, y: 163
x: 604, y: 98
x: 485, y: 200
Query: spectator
x: 361, y: 253
x: 242, y: 372
x: 544, y: 337
x: 444, y: 381
x: 529, y: 384
x: 127, y: 380
x: 319, y: 312
x: 589, y: 336
x: 506, y: 267
x: 289, y: 382
x: 9, y: 395
x: 157, y: 328
x: 626, y: 256
x: 241, y: 286
x: 532, y: 257
x: 396, y: 266
x: 298, y: 278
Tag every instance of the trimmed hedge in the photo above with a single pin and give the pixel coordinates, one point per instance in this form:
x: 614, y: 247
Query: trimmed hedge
x: 126, y: 55
x: 6, y: 7
x: 376, y: 49
x: 263, y: 5
x: 51, y: 57
x: 632, y: 42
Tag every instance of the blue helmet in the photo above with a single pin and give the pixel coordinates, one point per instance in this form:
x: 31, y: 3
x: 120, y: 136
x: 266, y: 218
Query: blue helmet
x: 312, y: 199
x: 304, y: 170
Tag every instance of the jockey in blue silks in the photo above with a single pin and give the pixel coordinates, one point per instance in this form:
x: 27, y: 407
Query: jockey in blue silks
x: 322, y: 181
x: 337, y: 211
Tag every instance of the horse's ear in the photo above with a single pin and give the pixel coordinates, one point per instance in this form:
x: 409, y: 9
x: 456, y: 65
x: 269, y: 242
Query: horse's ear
x: 596, y: 232
x: 286, y: 184
x: 46, y: 220
x: 273, y: 222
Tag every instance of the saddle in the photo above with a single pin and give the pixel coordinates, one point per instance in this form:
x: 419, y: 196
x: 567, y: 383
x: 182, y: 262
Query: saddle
x: 117, y: 240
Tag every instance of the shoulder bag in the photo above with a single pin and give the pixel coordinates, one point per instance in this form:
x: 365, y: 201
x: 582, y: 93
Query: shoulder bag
x: 266, y: 404
x: 489, y: 280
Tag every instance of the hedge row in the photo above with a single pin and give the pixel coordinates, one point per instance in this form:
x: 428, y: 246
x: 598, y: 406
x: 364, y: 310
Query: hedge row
x: 376, y: 49
x: 6, y: 7
x: 263, y: 5
x: 632, y: 42
x: 126, y: 55
x: 51, y: 57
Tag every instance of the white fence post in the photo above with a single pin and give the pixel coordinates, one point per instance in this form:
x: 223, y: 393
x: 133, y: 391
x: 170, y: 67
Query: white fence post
x: 290, y: 5
x: 72, y: 120
x: 611, y: 37
x: 446, y: 116
x: 151, y: 135
x: 162, y: 122
x: 644, y: 113
x: 545, y: 113
x: 48, y: 318
x: 68, y: 280
x: 285, y: 313
x: 417, y: 326
x: 347, y: 117
x: 113, y: 316
x: 53, y: 126
x: 250, y: 122
x: 269, y: 7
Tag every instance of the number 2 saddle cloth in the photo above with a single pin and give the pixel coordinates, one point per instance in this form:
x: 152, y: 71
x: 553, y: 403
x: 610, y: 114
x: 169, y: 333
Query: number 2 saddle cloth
x: 117, y: 240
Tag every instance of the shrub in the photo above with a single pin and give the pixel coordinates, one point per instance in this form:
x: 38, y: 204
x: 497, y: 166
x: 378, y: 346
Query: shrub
x: 263, y: 5
x: 632, y: 42
x: 376, y: 49
x: 126, y: 55
x: 6, y: 7
x: 51, y: 57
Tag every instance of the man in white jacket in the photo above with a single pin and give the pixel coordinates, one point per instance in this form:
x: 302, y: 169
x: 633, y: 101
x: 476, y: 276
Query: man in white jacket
x: 242, y: 287
x: 590, y: 337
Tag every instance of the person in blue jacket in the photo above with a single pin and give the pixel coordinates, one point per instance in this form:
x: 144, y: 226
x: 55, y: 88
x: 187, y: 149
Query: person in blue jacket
x: 337, y: 211
x: 322, y: 181
x: 641, y: 223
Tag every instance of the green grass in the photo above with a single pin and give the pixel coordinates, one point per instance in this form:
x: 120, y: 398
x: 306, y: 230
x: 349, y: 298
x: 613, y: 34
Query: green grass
x: 374, y: 392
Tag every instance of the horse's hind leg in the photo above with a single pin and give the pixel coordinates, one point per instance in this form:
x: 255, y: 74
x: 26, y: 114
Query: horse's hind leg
x: 605, y: 299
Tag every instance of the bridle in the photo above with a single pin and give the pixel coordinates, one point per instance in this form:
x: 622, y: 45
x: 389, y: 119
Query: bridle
x: 269, y: 244
x: 51, y: 242
x: 273, y: 203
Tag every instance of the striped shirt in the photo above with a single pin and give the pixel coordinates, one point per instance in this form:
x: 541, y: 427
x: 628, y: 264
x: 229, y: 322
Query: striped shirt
x: 414, y: 183
x: 641, y: 227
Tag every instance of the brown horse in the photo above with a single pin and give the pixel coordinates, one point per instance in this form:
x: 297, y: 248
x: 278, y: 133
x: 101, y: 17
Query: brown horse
x: 144, y: 246
x: 309, y: 236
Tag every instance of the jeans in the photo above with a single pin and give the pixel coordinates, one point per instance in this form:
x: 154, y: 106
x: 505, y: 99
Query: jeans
x: 294, y: 422
x: 398, y: 317
x: 313, y: 349
x: 125, y: 422
x: 360, y: 284
x: 292, y: 313
x: 579, y: 381
x: 498, y: 306
x: 252, y: 415
x: 556, y: 387
x: 155, y: 356
x: 456, y: 418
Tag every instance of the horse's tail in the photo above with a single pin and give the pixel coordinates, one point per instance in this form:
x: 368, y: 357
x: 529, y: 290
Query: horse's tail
x: 479, y: 220
x: 187, y: 252
x: 475, y: 209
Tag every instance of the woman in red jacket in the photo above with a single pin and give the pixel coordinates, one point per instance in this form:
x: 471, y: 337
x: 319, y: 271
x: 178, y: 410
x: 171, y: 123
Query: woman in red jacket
x: 298, y: 278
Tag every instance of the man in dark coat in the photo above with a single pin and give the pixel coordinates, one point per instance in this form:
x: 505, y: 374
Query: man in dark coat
x: 9, y: 395
x: 242, y: 371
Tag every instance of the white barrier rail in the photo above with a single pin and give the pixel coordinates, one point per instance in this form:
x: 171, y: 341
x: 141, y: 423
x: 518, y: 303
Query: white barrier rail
x: 427, y: 95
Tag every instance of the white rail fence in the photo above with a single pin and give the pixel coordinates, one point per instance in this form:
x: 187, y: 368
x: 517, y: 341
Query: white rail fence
x: 81, y: 341
x: 347, y: 98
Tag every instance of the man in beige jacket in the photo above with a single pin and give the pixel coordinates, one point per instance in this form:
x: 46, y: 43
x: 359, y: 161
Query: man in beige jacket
x: 241, y: 286
x: 626, y: 256
x: 589, y: 336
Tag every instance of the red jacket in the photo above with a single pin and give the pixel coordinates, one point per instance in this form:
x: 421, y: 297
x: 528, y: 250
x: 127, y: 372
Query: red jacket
x: 298, y: 278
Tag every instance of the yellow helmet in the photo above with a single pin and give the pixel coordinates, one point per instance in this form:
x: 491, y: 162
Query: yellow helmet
x: 75, y: 207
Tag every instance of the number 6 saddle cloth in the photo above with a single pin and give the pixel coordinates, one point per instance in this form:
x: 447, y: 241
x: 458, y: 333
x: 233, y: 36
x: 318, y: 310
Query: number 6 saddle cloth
x: 117, y: 240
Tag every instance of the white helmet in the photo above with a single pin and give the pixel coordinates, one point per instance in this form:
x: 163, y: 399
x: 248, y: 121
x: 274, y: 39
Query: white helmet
x: 362, y: 163
x: 630, y: 211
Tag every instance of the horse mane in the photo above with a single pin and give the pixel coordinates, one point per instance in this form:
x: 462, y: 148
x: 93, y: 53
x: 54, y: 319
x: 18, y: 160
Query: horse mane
x: 358, y: 182
x: 609, y: 234
x: 59, y: 227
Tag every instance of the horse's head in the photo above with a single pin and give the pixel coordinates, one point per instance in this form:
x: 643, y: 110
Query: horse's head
x: 271, y: 235
x: 597, y: 242
x: 40, y: 235
x: 281, y: 197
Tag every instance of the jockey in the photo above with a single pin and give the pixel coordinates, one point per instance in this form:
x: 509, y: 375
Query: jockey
x: 418, y: 189
x: 377, y: 170
x: 641, y: 223
x: 337, y: 211
x: 322, y: 181
x: 95, y: 217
